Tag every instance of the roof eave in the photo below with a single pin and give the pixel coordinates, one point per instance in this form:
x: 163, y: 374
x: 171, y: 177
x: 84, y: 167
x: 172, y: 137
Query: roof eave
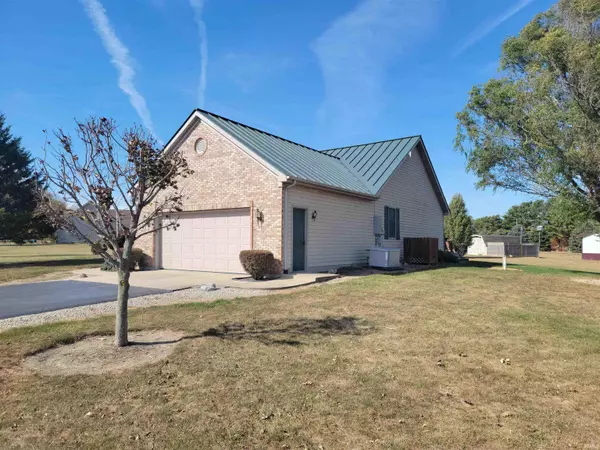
x: 437, y: 186
x: 196, y: 117
x: 327, y: 187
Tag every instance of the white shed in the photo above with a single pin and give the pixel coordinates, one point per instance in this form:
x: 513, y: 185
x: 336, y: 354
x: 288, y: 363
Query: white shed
x: 590, y: 247
x: 480, y: 245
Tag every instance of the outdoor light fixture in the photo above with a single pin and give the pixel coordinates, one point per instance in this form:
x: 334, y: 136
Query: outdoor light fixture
x: 260, y: 217
x: 314, y: 215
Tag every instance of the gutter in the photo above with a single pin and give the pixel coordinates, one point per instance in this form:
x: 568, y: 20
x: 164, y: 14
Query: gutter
x: 284, y: 255
x: 327, y: 187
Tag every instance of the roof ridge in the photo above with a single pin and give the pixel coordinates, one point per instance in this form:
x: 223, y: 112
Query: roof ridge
x: 264, y: 132
x: 370, y: 143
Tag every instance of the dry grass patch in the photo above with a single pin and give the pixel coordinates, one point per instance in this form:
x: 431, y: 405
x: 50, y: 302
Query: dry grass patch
x: 96, y: 355
x: 407, y: 361
x: 43, y: 261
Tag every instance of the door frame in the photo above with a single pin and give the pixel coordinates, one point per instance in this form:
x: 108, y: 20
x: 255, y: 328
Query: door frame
x: 305, y: 208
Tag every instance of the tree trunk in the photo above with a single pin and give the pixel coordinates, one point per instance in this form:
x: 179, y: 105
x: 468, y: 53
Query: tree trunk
x: 121, y: 326
x: 121, y: 339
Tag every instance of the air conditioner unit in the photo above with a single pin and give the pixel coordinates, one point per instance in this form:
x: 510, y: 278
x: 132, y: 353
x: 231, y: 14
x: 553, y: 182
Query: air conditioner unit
x: 384, y: 258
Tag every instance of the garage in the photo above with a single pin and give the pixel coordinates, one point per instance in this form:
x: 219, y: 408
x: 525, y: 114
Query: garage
x: 209, y: 241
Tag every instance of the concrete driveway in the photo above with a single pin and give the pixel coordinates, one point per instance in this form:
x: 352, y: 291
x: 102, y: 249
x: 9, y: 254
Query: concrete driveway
x: 33, y: 298
x: 173, y: 280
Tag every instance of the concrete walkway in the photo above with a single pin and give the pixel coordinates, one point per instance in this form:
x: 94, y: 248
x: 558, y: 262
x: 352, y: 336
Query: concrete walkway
x: 171, y: 280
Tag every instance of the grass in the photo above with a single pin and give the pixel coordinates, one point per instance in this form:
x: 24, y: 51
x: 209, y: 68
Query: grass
x: 20, y: 262
x: 552, y: 263
x: 387, y: 362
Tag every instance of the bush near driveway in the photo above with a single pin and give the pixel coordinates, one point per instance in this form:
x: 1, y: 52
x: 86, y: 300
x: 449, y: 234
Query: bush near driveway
x: 258, y: 263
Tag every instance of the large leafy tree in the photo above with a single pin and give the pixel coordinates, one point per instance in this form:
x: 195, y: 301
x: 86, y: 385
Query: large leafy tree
x: 458, y: 225
x: 122, y: 185
x: 489, y: 225
x: 19, y: 218
x: 536, y: 128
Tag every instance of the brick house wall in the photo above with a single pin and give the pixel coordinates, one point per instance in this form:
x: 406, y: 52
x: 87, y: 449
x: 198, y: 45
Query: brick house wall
x: 225, y: 177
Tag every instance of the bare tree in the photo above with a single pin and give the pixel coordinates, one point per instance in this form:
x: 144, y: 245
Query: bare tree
x: 120, y: 184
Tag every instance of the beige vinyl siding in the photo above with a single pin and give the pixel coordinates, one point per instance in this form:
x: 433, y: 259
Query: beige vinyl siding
x: 342, y: 233
x: 411, y: 190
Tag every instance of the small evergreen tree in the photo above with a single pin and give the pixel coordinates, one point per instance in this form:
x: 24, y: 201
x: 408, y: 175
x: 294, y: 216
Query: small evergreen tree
x: 19, y: 220
x: 459, y: 224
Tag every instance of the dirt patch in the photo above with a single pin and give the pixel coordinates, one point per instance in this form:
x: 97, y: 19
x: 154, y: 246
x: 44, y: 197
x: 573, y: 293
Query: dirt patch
x: 508, y: 268
x: 592, y: 281
x: 97, y: 355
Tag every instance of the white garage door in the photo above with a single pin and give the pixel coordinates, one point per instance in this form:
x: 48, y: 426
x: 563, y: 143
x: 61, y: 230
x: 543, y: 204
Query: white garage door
x: 209, y: 241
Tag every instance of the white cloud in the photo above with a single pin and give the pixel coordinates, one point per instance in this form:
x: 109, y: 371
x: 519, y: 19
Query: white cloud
x: 488, y: 26
x: 120, y: 58
x: 355, y: 52
x: 198, y: 7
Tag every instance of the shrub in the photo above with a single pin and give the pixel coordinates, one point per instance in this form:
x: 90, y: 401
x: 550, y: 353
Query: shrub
x: 276, y: 268
x: 448, y: 257
x: 258, y: 263
x: 135, y: 261
x: 108, y: 267
x: 97, y: 248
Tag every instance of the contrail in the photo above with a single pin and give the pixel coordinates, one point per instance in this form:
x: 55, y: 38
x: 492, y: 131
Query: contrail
x: 120, y: 58
x: 198, y: 7
x: 487, y: 27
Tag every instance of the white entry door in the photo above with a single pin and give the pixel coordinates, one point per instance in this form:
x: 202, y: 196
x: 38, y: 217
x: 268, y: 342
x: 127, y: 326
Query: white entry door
x: 208, y: 240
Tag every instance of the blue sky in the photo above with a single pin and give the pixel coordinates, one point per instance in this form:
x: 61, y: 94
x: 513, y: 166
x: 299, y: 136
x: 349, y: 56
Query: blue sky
x: 325, y: 74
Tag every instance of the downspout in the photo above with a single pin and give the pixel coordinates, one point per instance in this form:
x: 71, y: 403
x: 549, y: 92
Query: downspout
x: 285, y: 227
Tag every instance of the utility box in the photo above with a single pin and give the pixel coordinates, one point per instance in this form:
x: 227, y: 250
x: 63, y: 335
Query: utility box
x: 378, y: 225
x: 384, y: 258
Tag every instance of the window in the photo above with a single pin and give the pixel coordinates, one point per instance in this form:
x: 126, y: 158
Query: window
x: 200, y: 146
x: 392, y: 223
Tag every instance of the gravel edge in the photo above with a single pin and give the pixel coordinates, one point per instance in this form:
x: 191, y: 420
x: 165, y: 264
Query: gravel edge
x: 99, y: 309
x: 191, y: 295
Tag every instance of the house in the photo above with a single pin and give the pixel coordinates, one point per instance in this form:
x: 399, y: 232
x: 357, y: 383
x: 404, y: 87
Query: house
x: 68, y: 237
x: 590, y: 247
x: 314, y: 209
x: 485, y: 245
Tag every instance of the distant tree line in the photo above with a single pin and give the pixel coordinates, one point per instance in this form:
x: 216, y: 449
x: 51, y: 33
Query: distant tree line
x: 565, y: 221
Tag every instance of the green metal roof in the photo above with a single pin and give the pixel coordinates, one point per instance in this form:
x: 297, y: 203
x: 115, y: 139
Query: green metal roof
x: 362, y: 169
x: 375, y: 162
x: 292, y: 159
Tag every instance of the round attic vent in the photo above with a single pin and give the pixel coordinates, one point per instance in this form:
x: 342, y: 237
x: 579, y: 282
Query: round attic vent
x: 200, y: 146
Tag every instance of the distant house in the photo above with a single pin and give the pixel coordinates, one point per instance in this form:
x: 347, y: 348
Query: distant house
x: 590, y: 247
x: 487, y: 245
x: 67, y: 237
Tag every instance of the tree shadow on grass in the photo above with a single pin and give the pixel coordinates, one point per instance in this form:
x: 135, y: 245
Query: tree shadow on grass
x: 293, y: 332
x: 51, y: 263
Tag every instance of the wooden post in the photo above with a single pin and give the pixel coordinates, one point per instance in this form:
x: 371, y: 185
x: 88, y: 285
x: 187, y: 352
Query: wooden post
x: 504, y: 262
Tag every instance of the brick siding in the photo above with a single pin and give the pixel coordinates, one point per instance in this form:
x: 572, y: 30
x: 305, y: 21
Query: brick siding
x: 225, y: 177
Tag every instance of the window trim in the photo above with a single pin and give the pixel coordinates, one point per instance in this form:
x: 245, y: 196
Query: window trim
x: 395, y: 219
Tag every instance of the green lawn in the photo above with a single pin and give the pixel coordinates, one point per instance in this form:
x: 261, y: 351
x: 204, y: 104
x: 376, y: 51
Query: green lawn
x: 388, y: 362
x: 19, y: 262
